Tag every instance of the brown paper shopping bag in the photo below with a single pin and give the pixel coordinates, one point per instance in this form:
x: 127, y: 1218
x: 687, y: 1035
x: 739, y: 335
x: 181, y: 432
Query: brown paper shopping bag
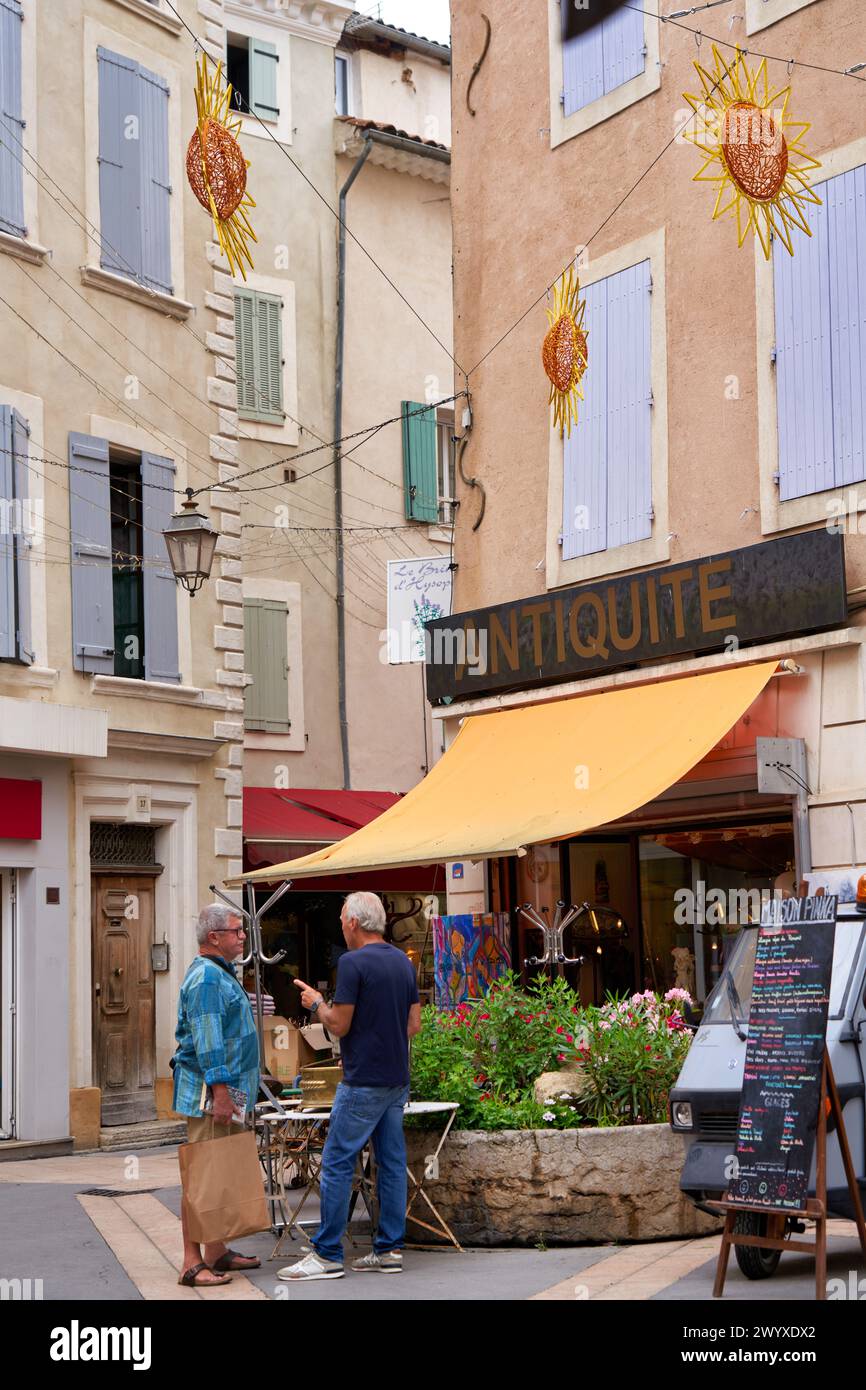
x: 223, y: 1188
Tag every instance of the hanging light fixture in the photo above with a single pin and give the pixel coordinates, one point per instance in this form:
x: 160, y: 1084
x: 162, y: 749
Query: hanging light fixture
x: 191, y: 542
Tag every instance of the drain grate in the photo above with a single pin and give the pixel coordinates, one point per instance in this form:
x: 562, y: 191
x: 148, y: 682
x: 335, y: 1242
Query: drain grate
x: 115, y: 1191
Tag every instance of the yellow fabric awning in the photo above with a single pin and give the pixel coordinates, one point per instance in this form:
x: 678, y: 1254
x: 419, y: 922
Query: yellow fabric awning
x: 545, y: 772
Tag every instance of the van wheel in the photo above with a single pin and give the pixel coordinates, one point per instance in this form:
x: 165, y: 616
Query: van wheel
x: 755, y: 1262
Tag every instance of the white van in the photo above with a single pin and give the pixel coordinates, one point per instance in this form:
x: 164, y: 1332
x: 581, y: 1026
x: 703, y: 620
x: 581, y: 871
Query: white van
x: 704, y: 1103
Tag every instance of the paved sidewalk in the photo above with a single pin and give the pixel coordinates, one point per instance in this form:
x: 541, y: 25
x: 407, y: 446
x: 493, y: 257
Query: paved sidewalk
x: 106, y: 1227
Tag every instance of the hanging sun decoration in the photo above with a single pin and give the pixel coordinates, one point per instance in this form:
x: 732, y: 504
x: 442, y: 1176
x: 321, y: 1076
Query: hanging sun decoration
x: 564, y: 351
x: 753, y: 151
x: 217, y: 170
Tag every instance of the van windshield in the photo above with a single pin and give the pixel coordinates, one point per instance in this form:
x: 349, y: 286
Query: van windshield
x: 741, y: 968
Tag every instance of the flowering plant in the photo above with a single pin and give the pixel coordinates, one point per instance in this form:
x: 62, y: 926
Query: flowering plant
x: 631, y: 1052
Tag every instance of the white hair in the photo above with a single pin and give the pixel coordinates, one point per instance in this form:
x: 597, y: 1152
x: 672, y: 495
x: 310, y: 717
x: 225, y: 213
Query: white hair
x: 367, y: 911
x: 212, y: 918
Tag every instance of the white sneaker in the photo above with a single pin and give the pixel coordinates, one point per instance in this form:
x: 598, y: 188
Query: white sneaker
x: 391, y: 1262
x: 311, y: 1267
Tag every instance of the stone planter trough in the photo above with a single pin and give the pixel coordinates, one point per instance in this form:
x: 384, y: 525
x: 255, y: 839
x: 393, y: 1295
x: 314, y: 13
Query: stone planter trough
x: 515, y: 1187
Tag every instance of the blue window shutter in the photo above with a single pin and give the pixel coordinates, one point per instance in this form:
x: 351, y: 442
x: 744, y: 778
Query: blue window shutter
x: 582, y: 69
x: 584, y: 496
x: 420, y: 476
x: 266, y: 701
x: 7, y: 539
x: 160, y: 591
x: 11, y: 120
x: 120, y: 179
x: 264, y: 65
x: 845, y: 200
x: 622, y: 39
x: 90, y: 544
x: 155, y: 182
x: 629, y: 408
x: 23, y: 490
x: 804, y: 371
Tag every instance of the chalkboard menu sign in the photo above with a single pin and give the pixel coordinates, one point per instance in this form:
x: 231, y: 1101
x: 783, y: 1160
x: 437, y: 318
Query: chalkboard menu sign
x: 785, y: 1053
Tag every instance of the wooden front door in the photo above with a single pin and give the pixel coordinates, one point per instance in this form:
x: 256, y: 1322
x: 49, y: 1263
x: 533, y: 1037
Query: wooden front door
x: 123, y: 997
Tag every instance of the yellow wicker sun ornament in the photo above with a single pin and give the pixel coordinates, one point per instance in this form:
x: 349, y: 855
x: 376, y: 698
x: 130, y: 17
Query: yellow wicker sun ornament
x: 564, y: 351
x: 754, y: 151
x: 217, y: 170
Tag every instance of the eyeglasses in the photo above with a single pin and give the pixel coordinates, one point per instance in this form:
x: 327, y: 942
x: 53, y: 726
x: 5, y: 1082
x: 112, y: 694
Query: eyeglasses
x: 238, y: 931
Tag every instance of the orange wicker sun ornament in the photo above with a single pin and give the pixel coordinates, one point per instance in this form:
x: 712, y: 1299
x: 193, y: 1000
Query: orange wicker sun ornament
x: 564, y: 351
x: 217, y: 170
x: 753, y: 150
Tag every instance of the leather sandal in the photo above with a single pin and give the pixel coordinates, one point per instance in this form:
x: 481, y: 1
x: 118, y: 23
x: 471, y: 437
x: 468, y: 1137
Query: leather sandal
x: 226, y: 1261
x: 191, y: 1280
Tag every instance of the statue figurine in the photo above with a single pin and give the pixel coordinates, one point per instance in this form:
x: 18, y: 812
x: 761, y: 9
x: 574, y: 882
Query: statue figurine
x: 684, y: 965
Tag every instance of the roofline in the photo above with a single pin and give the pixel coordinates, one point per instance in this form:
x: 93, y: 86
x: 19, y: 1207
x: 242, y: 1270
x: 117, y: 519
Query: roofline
x: 361, y: 27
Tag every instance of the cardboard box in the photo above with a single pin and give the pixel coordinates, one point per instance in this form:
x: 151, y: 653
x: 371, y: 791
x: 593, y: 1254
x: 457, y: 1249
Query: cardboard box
x: 286, y: 1051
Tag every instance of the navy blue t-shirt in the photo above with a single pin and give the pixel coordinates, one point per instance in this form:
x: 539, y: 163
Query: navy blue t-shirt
x: 380, y: 981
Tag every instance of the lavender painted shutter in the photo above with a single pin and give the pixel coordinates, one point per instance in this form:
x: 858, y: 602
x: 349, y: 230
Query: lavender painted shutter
x: 629, y: 397
x: 120, y: 142
x: 90, y: 543
x: 804, y: 373
x: 582, y: 69
x: 585, y: 452
x: 155, y: 182
x: 23, y: 622
x: 7, y: 540
x: 11, y: 120
x: 160, y: 590
x: 845, y: 199
x: 623, y: 47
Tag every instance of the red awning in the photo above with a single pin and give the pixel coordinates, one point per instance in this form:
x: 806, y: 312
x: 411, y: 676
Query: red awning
x: 281, y: 824
x: 302, y: 815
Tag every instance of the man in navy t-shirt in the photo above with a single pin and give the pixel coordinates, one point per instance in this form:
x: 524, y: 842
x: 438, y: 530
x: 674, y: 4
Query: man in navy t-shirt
x: 375, y: 1012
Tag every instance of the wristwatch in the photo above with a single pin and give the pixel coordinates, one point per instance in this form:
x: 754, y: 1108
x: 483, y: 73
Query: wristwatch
x: 314, y: 1007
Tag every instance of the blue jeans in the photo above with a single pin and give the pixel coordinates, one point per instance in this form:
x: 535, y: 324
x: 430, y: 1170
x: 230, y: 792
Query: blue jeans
x: 361, y: 1114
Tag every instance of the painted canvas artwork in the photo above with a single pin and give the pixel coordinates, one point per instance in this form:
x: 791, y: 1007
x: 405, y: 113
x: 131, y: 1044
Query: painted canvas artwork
x: 470, y: 951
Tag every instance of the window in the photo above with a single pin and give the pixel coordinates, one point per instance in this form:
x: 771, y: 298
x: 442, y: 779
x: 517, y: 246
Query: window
x: 266, y: 701
x: 445, y: 471
x: 602, y: 58
x: 607, y: 460
x: 259, y: 356
x: 820, y: 351
x: 341, y: 82
x: 124, y: 601
x: 16, y: 530
x: 251, y: 68
x: 11, y: 120
x: 126, y: 567
x: 134, y: 183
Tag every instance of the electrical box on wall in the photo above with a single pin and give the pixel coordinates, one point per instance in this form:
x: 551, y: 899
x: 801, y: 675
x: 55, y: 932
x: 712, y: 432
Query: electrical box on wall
x: 159, y: 957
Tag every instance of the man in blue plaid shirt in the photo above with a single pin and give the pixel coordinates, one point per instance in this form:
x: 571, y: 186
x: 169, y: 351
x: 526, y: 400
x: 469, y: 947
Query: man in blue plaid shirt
x: 217, y: 1046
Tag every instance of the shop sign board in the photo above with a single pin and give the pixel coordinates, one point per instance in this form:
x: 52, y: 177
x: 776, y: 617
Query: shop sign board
x: 784, y: 1053
x: 719, y: 603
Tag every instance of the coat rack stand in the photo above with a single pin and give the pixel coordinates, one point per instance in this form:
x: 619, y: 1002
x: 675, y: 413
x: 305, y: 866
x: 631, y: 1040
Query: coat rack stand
x: 256, y: 957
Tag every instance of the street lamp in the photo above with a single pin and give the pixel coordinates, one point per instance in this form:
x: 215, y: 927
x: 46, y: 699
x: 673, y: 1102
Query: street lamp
x: 191, y: 542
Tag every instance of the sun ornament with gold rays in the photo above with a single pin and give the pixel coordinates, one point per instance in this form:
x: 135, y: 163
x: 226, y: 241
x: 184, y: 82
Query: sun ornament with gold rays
x: 564, y: 351
x: 754, y: 151
x: 217, y: 170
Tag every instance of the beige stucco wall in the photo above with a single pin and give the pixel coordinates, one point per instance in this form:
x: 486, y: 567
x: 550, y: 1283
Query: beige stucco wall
x: 403, y: 222
x: 520, y: 211
x: 406, y: 91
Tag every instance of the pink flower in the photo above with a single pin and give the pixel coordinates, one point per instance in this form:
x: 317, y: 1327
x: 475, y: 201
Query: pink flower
x: 561, y: 1057
x: 560, y: 1029
x: 648, y: 1047
x: 568, y: 1038
x: 483, y: 1016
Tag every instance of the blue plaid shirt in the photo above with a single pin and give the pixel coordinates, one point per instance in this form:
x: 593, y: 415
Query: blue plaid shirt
x: 216, y: 1036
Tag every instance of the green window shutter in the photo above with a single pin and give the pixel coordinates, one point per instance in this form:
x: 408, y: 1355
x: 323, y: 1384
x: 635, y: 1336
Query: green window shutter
x: 263, y: 79
x: 419, y: 461
x: 266, y: 701
x: 259, y: 356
